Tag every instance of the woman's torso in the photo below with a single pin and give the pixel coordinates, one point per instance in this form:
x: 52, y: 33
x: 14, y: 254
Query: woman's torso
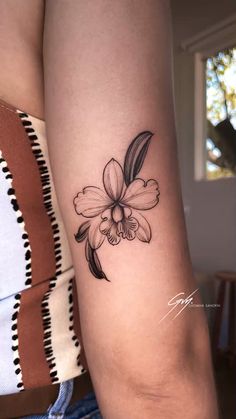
x: 38, y: 301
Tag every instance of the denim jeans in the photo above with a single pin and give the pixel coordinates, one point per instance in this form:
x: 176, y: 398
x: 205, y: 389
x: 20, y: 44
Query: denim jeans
x: 85, y: 408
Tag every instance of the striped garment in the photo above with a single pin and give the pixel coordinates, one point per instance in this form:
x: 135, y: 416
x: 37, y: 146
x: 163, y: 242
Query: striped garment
x: 39, y: 319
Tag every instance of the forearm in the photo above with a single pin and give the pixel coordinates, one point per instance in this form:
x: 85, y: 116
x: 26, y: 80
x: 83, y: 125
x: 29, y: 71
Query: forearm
x: 108, y: 78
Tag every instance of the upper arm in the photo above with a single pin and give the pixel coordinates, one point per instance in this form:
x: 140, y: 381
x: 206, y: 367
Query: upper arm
x: 107, y: 79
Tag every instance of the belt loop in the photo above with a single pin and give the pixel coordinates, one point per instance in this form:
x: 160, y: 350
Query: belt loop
x: 57, y: 410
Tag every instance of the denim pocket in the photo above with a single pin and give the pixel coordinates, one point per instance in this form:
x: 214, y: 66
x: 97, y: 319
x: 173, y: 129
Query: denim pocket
x: 87, y: 408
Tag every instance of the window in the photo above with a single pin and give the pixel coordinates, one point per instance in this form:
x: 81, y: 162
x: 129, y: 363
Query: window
x: 214, y: 52
x: 221, y: 114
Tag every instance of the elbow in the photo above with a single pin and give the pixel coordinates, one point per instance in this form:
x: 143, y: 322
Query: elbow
x: 159, y: 370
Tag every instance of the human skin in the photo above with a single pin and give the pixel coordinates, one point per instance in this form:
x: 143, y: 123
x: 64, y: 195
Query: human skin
x: 108, y: 78
x: 21, y: 42
x: 107, y: 69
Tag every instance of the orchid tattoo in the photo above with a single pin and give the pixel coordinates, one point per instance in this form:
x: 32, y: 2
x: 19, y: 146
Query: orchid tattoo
x: 115, y: 212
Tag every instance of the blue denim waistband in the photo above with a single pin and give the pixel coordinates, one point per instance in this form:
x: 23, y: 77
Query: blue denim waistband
x: 83, y: 409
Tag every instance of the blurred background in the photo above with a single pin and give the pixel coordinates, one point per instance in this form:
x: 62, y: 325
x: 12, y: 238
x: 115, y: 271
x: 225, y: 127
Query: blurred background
x: 204, y: 38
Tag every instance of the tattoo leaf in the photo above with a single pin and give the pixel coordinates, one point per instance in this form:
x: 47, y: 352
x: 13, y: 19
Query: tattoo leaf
x: 82, y: 232
x: 135, y: 156
x: 94, y: 262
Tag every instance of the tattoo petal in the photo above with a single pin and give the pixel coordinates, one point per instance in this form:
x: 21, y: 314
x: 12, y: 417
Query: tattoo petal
x: 141, y: 195
x: 112, y: 236
x: 95, y: 237
x: 144, y: 230
x: 109, y: 228
x: 91, y: 201
x: 106, y: 215
x: 113, y: 179
x: 127, y: 228
x: 127, y: 212
x: 105, y: 225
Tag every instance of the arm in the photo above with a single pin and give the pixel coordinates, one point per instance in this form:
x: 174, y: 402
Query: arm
x: 108, y: 78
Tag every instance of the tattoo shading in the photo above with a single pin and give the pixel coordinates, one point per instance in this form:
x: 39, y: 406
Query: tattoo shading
x: 115, y: 212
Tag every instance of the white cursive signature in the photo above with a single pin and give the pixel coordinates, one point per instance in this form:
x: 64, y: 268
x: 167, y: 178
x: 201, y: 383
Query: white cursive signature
x: 182, y: 302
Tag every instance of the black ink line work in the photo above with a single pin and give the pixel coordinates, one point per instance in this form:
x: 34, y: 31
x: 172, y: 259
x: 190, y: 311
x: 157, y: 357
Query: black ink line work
x: 115, y: 212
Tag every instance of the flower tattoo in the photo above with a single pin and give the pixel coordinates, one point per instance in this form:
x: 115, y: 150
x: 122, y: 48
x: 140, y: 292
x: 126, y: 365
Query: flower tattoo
x: 115, y: 212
